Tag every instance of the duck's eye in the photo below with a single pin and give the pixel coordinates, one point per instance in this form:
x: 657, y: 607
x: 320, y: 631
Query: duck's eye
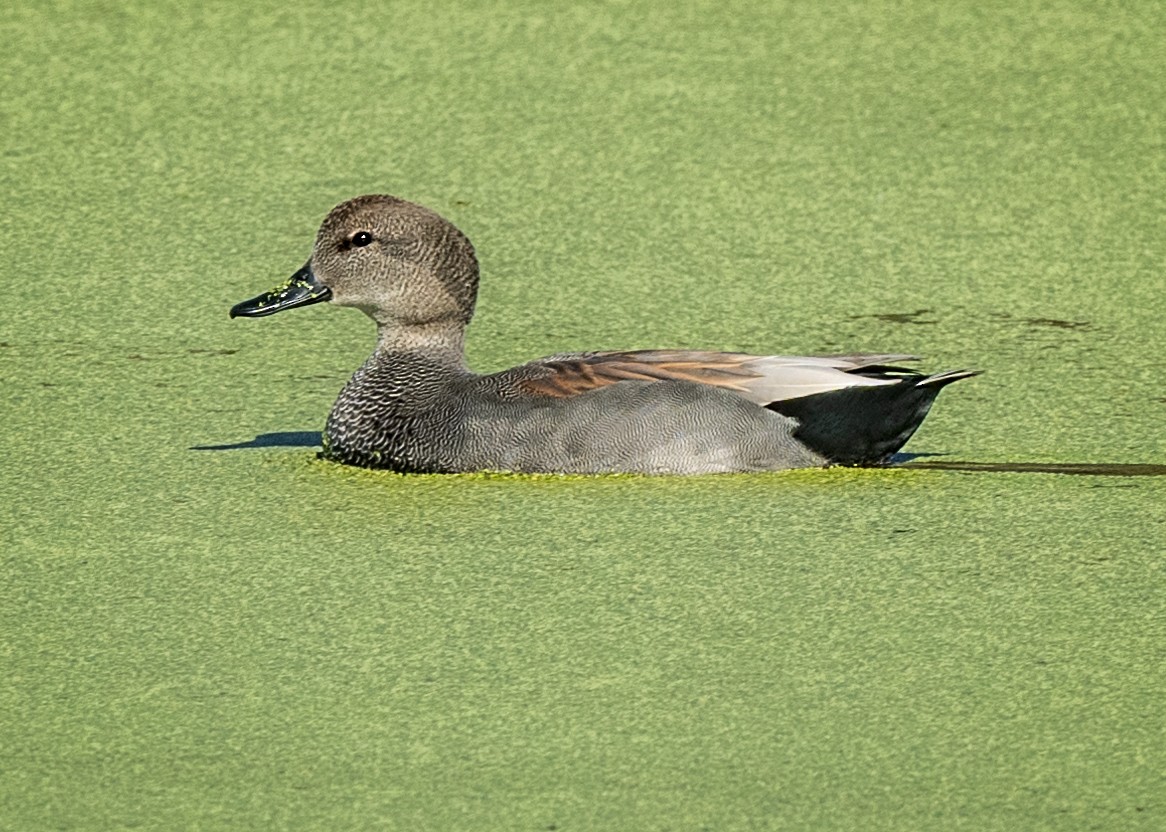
x: 361, y: 239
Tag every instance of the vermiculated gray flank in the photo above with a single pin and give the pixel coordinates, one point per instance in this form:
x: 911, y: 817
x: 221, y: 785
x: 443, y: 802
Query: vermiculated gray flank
x: 416, y: 407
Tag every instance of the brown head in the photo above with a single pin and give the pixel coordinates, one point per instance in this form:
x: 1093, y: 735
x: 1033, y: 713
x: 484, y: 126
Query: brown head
x: 400, y: 263
x: 396, y: 261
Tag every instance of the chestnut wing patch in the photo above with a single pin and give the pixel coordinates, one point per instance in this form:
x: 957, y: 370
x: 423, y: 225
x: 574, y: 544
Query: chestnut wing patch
x: 762, y: 379
x: 570, y: 375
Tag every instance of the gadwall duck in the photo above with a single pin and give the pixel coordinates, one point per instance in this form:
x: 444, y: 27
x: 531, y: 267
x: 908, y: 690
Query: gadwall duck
x: 416, y: 407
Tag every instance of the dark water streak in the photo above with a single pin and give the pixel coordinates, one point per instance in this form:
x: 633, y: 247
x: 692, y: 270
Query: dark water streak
x: 1080, y: 469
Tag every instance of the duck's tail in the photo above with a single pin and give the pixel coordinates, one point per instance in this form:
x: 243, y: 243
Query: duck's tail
x: 940, y: 380
x: 867, y: 424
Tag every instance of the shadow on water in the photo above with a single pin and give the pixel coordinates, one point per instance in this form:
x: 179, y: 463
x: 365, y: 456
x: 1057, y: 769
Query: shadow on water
x: 283, y: 439
x: 311, y: 439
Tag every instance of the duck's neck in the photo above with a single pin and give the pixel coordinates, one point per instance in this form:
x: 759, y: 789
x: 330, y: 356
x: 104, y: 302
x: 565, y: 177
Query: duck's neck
x: 443, y: 342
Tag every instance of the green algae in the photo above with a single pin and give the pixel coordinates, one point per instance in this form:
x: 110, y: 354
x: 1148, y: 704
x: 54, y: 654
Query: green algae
x: 254, y: 638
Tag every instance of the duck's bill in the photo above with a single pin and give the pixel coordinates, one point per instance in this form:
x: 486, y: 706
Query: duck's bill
x: 301, y: 289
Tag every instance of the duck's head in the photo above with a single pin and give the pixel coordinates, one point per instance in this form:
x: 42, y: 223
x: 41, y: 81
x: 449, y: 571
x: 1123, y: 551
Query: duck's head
x: 400, y: 263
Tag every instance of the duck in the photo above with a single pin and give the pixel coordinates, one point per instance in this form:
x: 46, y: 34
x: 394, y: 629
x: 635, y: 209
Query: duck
x: 416, y: 407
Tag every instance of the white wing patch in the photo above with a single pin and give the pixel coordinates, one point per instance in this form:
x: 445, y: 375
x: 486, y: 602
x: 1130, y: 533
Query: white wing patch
x: 782, y: 377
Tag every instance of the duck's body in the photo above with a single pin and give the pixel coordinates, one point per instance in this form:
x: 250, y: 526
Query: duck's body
x: 404, y: 412
x: 415, y: 407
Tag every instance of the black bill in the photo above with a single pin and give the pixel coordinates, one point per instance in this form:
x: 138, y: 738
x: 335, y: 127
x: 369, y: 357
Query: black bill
x: 301, y: 289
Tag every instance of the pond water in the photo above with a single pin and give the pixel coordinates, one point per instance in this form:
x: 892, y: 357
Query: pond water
x: 202, y: 625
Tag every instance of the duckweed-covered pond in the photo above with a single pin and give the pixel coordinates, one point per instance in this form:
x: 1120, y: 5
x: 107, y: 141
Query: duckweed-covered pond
x: 204, y: 627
